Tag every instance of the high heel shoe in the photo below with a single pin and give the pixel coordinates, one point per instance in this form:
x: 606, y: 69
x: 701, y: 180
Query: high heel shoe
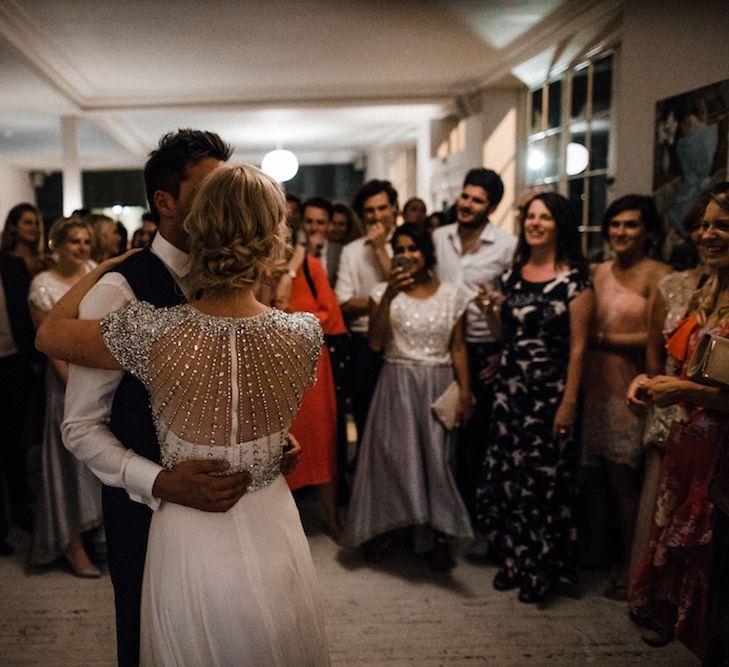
x: 80, y: 563
x: 505, y: 580
x: 530, y: 594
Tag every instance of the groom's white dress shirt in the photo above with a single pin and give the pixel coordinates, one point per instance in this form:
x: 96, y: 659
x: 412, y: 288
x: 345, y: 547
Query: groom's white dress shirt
x: 90, y: 391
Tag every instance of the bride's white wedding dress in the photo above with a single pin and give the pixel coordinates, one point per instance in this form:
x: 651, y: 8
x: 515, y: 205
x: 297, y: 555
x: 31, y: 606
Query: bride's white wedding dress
x: 238, y: 587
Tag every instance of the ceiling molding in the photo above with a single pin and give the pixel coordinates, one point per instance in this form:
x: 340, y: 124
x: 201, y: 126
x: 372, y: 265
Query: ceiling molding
x: 560, y: 25
x: 38, y: 53
x: 121, y: 132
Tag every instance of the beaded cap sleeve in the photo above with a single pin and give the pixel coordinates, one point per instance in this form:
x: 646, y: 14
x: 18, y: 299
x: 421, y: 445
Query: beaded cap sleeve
x: 219, y: 387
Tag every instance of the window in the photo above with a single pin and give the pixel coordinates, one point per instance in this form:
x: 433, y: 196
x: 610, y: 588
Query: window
x: 568, y: 147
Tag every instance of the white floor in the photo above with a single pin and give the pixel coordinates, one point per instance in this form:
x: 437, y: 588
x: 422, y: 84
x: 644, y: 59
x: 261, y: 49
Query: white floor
x: 395, y: 614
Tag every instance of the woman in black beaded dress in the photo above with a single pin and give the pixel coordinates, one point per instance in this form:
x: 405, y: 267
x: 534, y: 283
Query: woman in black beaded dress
x: 525, y: 504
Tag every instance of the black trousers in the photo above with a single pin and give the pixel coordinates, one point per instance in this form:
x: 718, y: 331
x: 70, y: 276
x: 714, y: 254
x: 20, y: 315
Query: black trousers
x: 473, y: 437
x: 16, y: 382
x: 365, y: 368
x: 127, y: 528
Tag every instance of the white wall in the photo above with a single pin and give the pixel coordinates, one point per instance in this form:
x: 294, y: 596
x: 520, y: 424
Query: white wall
x: 15, y: 187
x: 668, y: 48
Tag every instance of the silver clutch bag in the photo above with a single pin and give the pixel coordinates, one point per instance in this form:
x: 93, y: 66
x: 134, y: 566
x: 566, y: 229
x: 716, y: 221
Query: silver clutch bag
x: 710, y: 361
x: 446, y: 405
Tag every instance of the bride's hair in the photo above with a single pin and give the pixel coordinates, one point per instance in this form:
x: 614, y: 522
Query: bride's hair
x: 237, y: 227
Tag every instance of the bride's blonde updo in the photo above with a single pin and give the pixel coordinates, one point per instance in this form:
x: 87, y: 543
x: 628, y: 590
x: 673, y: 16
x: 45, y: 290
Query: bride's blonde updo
x: 236, y: 227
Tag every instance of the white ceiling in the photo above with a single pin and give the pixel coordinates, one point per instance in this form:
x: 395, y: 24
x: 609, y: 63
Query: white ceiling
x: 328, y: 79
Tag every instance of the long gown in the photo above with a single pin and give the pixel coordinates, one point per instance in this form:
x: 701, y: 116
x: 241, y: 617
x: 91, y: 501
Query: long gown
x: 404, y: 473
x: 671, y: 579
x: 69, y: 502
x: 238, y: 587
x: 525, y: 505
x: 315, y: 426
x: 610, y: 429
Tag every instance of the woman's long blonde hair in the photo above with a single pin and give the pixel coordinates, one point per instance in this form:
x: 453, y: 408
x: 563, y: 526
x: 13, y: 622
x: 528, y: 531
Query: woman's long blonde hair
x: 236, y: 228
x: 703, y: 302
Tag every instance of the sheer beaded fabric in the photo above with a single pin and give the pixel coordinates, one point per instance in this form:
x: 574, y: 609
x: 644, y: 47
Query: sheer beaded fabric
x: 223, y: 388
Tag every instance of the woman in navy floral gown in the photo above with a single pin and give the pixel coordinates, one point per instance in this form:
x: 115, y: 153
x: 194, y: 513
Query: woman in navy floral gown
x: 525, y: 505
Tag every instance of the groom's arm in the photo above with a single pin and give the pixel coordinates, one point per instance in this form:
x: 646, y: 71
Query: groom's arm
x: 86, y: 434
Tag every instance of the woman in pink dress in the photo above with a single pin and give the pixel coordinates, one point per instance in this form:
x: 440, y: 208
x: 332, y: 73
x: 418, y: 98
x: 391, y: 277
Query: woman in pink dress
x: 611, y: 434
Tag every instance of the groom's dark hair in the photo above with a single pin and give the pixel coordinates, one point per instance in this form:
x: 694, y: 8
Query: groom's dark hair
x: 165, y: 168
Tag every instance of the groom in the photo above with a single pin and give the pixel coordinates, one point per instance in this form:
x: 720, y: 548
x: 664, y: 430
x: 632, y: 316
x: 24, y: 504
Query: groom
x: 108, y: 423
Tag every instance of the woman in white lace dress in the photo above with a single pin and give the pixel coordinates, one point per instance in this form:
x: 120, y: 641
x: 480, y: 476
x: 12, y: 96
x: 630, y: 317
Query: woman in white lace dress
x: 404, y: 475
x: 225, y: 375
x: 69, y: 501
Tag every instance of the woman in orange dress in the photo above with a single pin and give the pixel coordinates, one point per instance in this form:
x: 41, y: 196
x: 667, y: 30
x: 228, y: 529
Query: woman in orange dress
x: 315, y: 427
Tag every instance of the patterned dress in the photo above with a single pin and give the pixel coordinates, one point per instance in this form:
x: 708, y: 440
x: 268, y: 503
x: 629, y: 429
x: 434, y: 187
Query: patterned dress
x: 525, y: 505
x: 671, y: 581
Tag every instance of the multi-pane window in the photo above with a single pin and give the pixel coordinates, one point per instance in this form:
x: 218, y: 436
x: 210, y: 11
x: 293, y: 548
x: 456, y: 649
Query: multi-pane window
x: 569, y: 141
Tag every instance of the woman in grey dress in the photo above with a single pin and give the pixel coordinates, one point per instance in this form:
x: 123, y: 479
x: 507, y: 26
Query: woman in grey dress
x: 404, y: 473
x: 69, y: 502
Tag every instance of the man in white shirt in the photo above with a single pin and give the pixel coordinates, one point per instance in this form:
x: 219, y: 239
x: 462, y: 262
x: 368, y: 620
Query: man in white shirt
x: 364, y: 263
x: 107, y: 420
x: 474, y: 253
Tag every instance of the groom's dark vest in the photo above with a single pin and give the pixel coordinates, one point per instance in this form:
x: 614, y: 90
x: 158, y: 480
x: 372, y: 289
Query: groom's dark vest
x: 126, y: 521
x: 131, y: 419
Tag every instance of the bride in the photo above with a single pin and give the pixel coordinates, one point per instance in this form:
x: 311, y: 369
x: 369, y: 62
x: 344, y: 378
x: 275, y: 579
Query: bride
x: 225, y: 376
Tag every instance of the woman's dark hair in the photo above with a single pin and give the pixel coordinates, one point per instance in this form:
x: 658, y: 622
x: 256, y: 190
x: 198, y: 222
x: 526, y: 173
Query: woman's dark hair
x: 354, y: 225
x: 421, y: 237
x: 569, y: 247
x: 370, y: 189
x: 9, y: 237
x: 648, y: 216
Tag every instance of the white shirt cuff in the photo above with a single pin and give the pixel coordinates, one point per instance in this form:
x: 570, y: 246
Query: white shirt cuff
x: 139, y: 477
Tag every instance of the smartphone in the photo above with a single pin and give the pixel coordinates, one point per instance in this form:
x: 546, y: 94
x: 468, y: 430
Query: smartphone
x: 400, y: 261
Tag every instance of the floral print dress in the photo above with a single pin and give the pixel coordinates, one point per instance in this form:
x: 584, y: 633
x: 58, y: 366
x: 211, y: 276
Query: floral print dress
x: 671, y: 580
x: 525, y: 505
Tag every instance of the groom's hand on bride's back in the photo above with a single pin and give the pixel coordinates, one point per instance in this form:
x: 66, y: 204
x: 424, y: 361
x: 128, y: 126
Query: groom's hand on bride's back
x: 192, y: 483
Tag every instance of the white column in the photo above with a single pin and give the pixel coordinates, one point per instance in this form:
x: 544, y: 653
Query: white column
x: 72, y: 195
x: 423, y: 166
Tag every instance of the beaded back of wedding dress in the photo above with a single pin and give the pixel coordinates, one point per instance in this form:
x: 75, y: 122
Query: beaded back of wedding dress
x: 235, y: 587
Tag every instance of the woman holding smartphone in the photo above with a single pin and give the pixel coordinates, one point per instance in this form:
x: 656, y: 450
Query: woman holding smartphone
x: 404, y: 474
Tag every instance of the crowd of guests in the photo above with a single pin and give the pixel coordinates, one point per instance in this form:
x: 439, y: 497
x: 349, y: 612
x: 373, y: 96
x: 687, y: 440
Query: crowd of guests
x: 59, y: 502
x: 498, y: 384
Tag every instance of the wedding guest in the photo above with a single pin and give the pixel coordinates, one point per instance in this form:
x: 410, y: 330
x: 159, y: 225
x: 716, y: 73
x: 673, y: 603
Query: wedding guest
x: 17, y: 355
x: 611, y: 433
x: 415, y: 211
x: 669, y: 306
x: 403, y: 475
x: 22, y: 237
x: 669, y: 592
x: 315, y: 426
x: 526, y: 501
x: 345, y: 225
x: 106, y: 236
x: 69, y: 503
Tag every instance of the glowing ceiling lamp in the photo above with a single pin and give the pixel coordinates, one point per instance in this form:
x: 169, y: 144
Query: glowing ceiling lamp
x: 536, y: 159
x: 578, y: 158
x: 280, y: 164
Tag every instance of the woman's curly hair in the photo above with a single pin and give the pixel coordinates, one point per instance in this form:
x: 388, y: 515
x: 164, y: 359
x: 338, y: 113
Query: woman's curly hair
x: 236, y: 228
x: 703, y: 302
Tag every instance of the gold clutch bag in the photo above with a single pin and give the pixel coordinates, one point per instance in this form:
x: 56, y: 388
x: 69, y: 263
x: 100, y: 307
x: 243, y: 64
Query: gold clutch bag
x: 710, y: 361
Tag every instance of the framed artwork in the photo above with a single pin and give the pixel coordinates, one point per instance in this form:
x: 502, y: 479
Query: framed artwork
x: 692, y: 135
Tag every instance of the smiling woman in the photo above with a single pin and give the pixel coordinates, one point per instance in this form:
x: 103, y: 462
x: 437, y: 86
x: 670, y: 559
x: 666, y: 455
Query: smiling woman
x: 69, y: 502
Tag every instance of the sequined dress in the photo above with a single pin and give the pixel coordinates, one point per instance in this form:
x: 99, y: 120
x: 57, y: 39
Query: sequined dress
x: 236, y: 587
x: 69, y: 500
x: 404, y: 472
